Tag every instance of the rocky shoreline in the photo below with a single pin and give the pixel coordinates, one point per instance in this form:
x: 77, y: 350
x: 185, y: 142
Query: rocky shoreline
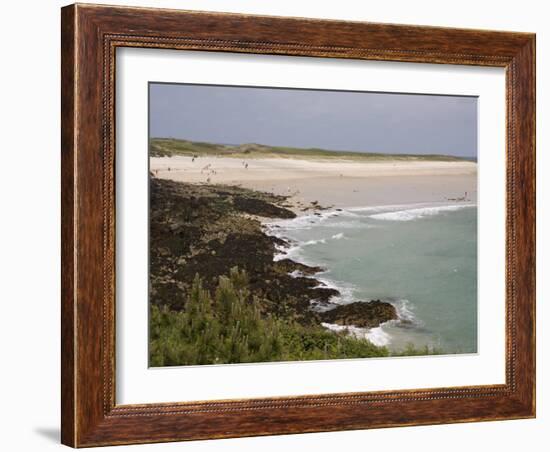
x: 206, y: 230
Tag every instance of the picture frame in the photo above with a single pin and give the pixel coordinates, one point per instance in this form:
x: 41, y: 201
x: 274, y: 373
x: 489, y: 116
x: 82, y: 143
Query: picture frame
x: 91, y: 34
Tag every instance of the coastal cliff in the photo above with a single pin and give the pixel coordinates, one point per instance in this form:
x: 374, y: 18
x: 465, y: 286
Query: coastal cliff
x: 209, y: 231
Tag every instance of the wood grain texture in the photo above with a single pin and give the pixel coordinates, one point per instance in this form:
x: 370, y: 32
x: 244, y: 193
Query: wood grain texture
x: 90, y: 36
x: 68, y: 147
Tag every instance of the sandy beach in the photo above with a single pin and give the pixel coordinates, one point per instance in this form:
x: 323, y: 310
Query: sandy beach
x: 337, y: 183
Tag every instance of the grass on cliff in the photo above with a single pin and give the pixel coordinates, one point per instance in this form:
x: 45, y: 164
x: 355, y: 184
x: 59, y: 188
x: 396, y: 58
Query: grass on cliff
x: 229, y: 328
x: 168, y: 147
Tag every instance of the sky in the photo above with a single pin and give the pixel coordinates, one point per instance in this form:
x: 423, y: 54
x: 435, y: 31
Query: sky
x: 337, y: 120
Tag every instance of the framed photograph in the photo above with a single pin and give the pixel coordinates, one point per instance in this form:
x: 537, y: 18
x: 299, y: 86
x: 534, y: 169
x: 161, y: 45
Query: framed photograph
x: 281, y: 225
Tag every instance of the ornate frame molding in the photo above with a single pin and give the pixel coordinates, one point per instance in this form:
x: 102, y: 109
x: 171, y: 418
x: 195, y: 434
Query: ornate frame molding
x: 90, y: 37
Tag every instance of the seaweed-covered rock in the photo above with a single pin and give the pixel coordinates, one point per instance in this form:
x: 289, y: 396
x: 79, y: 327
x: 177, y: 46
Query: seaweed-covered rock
x: 361, y: 314
x: 205, y: 230
x: 262, y: 208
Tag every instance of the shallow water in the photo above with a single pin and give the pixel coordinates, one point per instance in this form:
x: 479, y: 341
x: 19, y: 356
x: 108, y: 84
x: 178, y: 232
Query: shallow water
x: 422, y: 258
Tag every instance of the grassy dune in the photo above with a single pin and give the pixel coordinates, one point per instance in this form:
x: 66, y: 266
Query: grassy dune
x: 168, y: 147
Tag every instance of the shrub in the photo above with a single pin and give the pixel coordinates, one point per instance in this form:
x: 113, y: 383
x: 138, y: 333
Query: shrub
x: 230, y: 328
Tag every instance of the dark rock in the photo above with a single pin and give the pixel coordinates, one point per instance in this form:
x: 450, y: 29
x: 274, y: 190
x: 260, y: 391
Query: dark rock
x: 200, y: 229
x: 288, y: 266
x: 361, y: 314
x: 261, y: 208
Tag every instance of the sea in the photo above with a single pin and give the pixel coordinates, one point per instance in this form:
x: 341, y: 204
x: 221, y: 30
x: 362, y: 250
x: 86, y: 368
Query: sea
x: 422, y: 258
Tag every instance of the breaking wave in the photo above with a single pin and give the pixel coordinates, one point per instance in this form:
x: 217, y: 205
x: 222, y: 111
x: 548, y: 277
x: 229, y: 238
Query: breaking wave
x: 379, y: 336
x: 417, y: 213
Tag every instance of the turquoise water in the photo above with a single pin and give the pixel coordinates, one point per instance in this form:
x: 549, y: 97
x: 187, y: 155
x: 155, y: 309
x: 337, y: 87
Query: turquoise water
x: 422, y: 258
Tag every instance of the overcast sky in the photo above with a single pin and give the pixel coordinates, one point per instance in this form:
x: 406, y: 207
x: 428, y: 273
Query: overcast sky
x: 339, y: 120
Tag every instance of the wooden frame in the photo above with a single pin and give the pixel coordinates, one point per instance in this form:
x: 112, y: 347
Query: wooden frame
x: 90, y: 35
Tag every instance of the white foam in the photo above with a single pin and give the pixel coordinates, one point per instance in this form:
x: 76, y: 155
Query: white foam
x: 353, y: 330
x: 346, y: 290
x: 285, y: 252
x: 338, y: 236
x: 342, y: 213
x: 314, y: 242
x: 296, y: 274
x: 384, y: 208
x: 404, y: 310
x: 300, y: 222
x: 393, y: 212
x: 359, y: 209
x: 376, y: 336
x: 417, y: 213
x: 304, y: 222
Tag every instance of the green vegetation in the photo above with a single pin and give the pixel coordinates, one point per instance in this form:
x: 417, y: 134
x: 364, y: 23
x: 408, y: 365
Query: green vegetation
x: 229, y: 327
x: 411, y: 350
x: 168, y: 147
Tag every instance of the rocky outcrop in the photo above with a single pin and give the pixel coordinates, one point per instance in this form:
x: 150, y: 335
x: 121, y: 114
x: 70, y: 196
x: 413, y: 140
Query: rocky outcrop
x: 361, y: 314
x: 206, y: 230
